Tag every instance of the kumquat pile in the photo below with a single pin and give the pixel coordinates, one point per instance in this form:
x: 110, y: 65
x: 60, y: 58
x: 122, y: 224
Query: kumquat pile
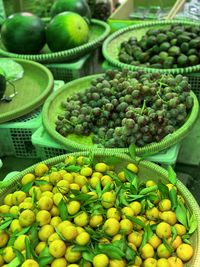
x: 84, y: 212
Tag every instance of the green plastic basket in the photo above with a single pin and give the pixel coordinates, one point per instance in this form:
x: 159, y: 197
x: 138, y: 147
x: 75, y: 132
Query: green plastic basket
x: 46, y: 148
x: 99, y: 30
x: 15, y: 136
x: 73, y: 70
x: 194, y: 78
x: 112, y: 45
x: 147, y: 170
x: 85, y: 143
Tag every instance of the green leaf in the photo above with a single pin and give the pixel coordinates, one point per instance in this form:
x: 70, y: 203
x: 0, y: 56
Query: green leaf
x: 28, y: 248
x: 5, y: 223
x: 136, y: 221
x: 173, y: 198
x: 149, y: 231
x: 163, y: 190
x: 149, y: 205
x: 174, y: 233
x: 12, y: 239
x: 13, y: 70
x: 33, y: 235
x: 181, y: 215
x: 130, y: 254
x: 132, y: 178
x: 80, y: 248
x: 121, y: 244
x: 111, y: 251
x: 25, y: 188
x: 167, y: 245
x: 171, y: 175
x: 149, y: 189
x: 9, y: 215
x: 41, y: 182
x: 33, y: 197
x: 63, y: 210
x: 115, y: 178
x: 88, y: 256
x: 192, y: 224
x: 23, y: 231
x: 59, y: 234
x: 144, y: 240
x: 187, y: 241
x: 45, y: 257
x: 132, y: 151
x: 19, y: 255
x: 73, y: 168
x: 14, y: 263
x: 112, y: 160
x: 122, y: 198
x: 106, y: 188
x: 135, y: 197
x: 98, y: 188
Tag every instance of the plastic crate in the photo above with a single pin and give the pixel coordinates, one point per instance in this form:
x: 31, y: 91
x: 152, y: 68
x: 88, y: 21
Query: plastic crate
x: 15, y: 136
x: 73, y: 70
x: 194, y: 78
x: 46, y: 148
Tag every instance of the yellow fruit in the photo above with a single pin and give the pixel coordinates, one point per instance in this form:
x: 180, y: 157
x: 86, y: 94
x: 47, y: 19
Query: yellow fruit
x: 25, y: 206
x: 126, y: 226
x: 117, y: 237
x: 61, y: 262
x: 97, y: 174
x: 57, y: 198
x: 72, y: 256
x: 81, y: 219
x: 63, y: 225
x: 62, y: 172
x: 113, y: 213
x: 117, y: 263
x: 86, y: 171
x: 185, y: 252
x: 132, y: 167
x: 14, y: 210
x: 136, y: 207
x: 68, y: 177
x: 27, y: 178
x: 26, y: 218
x: 70, y: 160
x: 180, y: 229
x: 18, y: 197
x: 163, y: 262
x: 147, y: 251
x: 45, y: 232
x: 80, y: 180
x: 45, y: 203
x: 8, y: 200
x: 63, y: 186
x: 163, y: 230
x: 3, y: 238
x: 55, y: 221
x: 94, y: 181
x: 175, y: 262
x: 137, y: 226
x: 54, y: 177
x: 84, y: 189
x: 74, y: 186
x: 135, y: 238
x: 127, y: 211
x: 57, y: 248
x: 93, y: 195
x: 30, y: 263
x: 69, y: 233
x: 138, y: 261
x: 43, y: 217
x: 165, y: 205
x: 150, y: 183
x: 53, y: 237
x: 150, y: 262
x: 72, y: 265
x: 41, y: 169
x: 19, y: 243
x: 131, y: 245
x: 177, y: 242
x: 96, y: 220
x: 4, y: 209
x: 111, y: 227
x: 155, y: 241
x: 101, y: 167
x: 169, y: 217
x: 1, y: 261
x: 108, y: 200
x: 54, y: 211
x: 40, y: 246
x: 170, y: 186
x: 80, y: 230
x: 163, y: 252
x: 46, y: 187
x: 83, y: 239
x: 8, y: 254
x: 121, y: 176
x: 152, y: 214
x: 15, y: 226
x: 73, y: 207
x: 106, y: 179
x: 36, y: 191
x: 100, y: 260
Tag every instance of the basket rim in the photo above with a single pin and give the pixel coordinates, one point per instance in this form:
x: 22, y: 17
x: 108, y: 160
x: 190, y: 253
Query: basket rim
x: 72, y: 53
x: 152, y: 148
x: 119, y: 64
x: 191, y: 202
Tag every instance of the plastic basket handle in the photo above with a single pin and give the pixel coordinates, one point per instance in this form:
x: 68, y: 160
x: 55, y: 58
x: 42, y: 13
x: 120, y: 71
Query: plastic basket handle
x: 175, y: 9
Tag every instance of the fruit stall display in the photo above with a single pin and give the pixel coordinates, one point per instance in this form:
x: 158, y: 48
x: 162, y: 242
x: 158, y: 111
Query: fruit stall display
x: 86, y: 209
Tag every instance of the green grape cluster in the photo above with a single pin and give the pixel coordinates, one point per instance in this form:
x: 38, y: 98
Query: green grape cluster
x: 174, y: 46
x: 125, y: 107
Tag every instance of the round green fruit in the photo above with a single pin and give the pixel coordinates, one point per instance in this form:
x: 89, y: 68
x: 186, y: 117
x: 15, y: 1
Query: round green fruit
x: 78, y: 6
x: 23, y: 33
x: 65, y: 31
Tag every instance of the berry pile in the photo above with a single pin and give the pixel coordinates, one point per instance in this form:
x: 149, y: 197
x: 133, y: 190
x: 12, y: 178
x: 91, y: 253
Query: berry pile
x: 174, y: 46
x: 121, y: 108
